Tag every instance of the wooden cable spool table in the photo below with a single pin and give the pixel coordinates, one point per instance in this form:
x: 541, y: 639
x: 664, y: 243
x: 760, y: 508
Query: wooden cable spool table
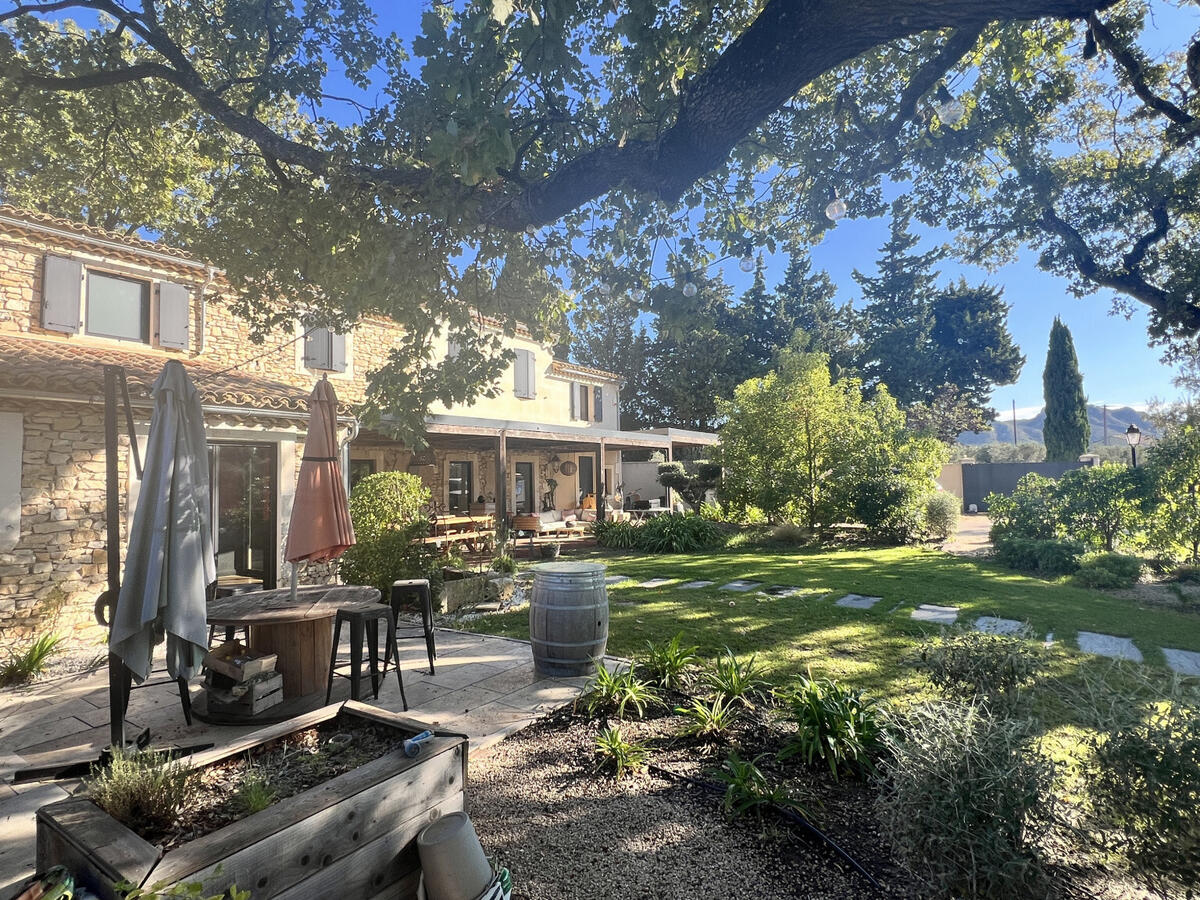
x: 299, y: 632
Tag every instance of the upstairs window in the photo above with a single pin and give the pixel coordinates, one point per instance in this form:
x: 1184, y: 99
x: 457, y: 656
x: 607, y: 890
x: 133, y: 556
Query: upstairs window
x: 525, y: 384
x: 77, y: 298
x: 325, y: 350
x: 587, y: 403
x: 597, y: 404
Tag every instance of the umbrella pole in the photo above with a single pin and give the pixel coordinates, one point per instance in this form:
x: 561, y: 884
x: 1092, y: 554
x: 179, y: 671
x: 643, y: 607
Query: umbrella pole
x: 118, y: 675
x: 295, y: 578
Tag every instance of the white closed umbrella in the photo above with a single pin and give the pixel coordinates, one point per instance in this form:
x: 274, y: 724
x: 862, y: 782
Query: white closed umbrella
x: 171, y: 560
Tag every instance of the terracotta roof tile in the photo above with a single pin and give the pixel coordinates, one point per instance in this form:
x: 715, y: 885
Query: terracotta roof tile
x: 91, y: 232
x: 45, y: 366
x: 560, y: 367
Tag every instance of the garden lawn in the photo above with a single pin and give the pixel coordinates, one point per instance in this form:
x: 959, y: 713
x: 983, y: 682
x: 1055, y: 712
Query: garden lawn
x: 871, y: 649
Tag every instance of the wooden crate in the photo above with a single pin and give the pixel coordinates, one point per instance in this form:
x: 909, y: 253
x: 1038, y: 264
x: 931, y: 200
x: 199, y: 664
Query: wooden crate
x: 238, y: 662
x: 352, y: 837
x: 246, y: 698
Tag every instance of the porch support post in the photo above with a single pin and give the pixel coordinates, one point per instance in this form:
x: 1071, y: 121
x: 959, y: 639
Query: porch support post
x: 600, y: 485
x: 502, y: 481
x: 670, y: 458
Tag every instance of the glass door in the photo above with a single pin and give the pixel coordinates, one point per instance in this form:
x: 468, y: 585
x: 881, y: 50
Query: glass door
x: 523, y: 488
x: 459, y: 484
x: 587, y: 482
x: 244, y: 513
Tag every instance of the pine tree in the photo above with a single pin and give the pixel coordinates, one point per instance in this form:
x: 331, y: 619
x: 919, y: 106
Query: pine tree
x: 803, y: 301
x: 1067, y: 431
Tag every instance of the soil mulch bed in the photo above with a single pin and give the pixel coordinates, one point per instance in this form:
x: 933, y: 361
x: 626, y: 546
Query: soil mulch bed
x: 288, y: 766
x: 566, y: 830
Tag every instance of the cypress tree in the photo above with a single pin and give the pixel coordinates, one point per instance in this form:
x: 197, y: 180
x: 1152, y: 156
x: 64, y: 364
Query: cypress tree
x: 1066, y: 431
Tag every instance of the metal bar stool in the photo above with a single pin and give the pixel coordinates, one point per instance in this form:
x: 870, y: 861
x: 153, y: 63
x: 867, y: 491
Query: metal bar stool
x: 363, y: 619
x: 419, y: 588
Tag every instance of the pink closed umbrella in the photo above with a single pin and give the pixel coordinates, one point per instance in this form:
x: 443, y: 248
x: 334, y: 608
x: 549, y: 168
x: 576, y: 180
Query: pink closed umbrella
x: 320, y: 528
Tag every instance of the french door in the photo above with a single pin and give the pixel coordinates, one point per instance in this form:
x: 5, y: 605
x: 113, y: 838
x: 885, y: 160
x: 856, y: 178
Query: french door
x: 244, y: 512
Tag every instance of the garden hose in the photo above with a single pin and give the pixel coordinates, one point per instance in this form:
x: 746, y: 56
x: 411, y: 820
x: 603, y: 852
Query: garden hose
x: 789, y: 814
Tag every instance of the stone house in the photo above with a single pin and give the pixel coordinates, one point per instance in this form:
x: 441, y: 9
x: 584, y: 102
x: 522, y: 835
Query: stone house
x: 74, y: 299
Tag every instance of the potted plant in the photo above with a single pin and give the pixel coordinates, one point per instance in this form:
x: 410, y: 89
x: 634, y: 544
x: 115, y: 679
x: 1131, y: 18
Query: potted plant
x: 550, y: 550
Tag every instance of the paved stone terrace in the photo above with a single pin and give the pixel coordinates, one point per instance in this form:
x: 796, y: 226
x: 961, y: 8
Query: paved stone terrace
x: 484, y: 686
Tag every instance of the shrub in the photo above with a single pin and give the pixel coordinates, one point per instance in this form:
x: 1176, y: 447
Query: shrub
x: 23, y: 665
x: 668, y: 664
x: 1109, y: 570
x: 1189, y: 574
x: 736, y: 681
x: 619, y: 754
x: 1030, y: 511
x: 708, y: 719
x: 611, y: 692
x: 968, y: 666
x: 964, y: 798
x: 790, y: 533
x: 747, y: 788
x: 388, y: 523
x: 732, y: 514
x: 254, y: 793
x: 941, y: 515
x: 674, y: 533
x: 142, y: 789
x: 1146, y: 785
x: 1103, y: 504
x: 834, y: 723
x: 615, y: 535
x: 694, y: 485
x: 1049, y: 557
x: 890, y: 506
x: 504, y: 563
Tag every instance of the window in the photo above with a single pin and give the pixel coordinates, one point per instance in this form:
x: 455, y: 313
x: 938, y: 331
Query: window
x: 525, y: 385
x: 100, y: 303
x: 453, y: 348
x: 460, y: 487
x: 325, y: 349
x: 586, y: 484
x: 597, y: 404
x: 118, y: 307
x: 583, y: 397
x: 360, y: 469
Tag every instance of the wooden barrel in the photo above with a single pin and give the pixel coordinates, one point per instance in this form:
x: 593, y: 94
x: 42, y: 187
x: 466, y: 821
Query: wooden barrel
x: 568, y: 618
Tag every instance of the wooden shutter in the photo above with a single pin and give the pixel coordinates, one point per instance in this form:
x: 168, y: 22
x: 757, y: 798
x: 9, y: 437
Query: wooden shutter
x: 571, y: 393
x: 521, y: 370
x: 337, y: 351
x: 62, y: 288
x: 531, y: 362
x: 598, y: 403
x: 173, y: 315
x: 452, y: 348
x: 318, y: 349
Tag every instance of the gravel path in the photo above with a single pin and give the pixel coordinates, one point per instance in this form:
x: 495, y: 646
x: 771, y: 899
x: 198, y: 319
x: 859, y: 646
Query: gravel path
x: 566, y: 832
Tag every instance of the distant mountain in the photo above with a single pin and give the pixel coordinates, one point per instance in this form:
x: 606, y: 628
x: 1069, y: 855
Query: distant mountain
x: 1119, y: 419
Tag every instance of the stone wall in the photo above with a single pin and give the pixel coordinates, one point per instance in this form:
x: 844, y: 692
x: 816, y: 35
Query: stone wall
x: 52, y: 577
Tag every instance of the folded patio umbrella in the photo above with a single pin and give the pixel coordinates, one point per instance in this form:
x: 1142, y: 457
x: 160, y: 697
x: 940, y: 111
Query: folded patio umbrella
x: 320, y: 528
x: 170, y: 560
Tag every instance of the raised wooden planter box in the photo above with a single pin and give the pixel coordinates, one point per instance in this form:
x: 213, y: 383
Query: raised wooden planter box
x: 353, y: 837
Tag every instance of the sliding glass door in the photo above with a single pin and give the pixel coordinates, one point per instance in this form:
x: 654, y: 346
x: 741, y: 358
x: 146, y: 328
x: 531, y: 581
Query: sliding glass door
x: 244, y: 509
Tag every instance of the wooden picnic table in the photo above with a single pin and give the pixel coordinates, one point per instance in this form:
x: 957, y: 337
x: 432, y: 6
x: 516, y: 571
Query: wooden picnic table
x: 299, y: 632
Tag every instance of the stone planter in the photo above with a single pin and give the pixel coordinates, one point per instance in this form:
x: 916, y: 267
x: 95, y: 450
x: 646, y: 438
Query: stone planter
x: 353, y: 837
x: 463, y: 590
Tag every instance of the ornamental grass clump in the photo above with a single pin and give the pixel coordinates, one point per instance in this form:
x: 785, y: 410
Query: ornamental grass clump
x: 835, y: 724
x: 1145, y: 796
x: 747, y: 789
x: 708, y: 719
x: 144, y: 790
x: 668, y: 665
x: 964, y: 798
x: 619, y: 755
x: 612, y: 693
x: 734, y: 680
x: 969, y: 665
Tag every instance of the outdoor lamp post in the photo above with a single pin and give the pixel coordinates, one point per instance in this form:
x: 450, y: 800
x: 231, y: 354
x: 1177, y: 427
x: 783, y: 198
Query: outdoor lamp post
x: 1133, y: 435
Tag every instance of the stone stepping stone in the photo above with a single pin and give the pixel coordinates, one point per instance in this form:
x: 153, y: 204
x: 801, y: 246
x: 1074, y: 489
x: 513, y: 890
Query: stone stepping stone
x: 856, y: 601
x: 782, y: 590
x: 996, y: 625
x: 1108, y: 645
x: 696, y: 585
x: 1184, y: 662
x: 741, y: 585
x: 655, y: 582
x: 942, y: 615
x: 615, y: 579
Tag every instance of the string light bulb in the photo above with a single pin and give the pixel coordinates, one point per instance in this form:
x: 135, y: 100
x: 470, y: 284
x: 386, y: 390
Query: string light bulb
x: 836, y: 208
x: 604, y: 288
x: 949, y: 108
x: 746, y: 263
x: 689, y: 286
x: 638, y: 294
x: 531, y: 230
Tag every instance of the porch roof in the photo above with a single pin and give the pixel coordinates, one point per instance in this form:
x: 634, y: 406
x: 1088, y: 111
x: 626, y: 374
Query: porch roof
x: 566, y: 437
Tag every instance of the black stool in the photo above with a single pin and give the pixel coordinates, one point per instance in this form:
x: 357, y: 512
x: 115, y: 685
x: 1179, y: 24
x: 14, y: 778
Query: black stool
x: 419, y: 588
x: 364, y: 628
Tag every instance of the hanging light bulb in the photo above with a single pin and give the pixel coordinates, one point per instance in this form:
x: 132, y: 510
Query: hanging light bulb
x: 689, y: 286
x: 949, y: 109
x: 836, y: 208
x: 570, y: 272
x: 638, y: 294
x: 604, y: 288
x: 746, y: 263
x: 531, y: 230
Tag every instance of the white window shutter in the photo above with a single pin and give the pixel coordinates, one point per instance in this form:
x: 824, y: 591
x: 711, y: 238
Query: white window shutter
x: 173, y: 315
x: 531, y: 361
x: 318, y: 349
x: 598, y: 404
x: 521, y: 374
x: 452, y: 349
x: 571, y: 392
x: 62, y: 290
x: 337, y: 352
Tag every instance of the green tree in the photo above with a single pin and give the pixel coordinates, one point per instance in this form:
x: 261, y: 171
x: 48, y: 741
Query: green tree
x: 1103, y: 504
x: 801, y: 447
x: 1067, y: 430
x: 692, y: 485
x: 1174, y: 465
x: 804, y: 301
x: 611, y: 338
